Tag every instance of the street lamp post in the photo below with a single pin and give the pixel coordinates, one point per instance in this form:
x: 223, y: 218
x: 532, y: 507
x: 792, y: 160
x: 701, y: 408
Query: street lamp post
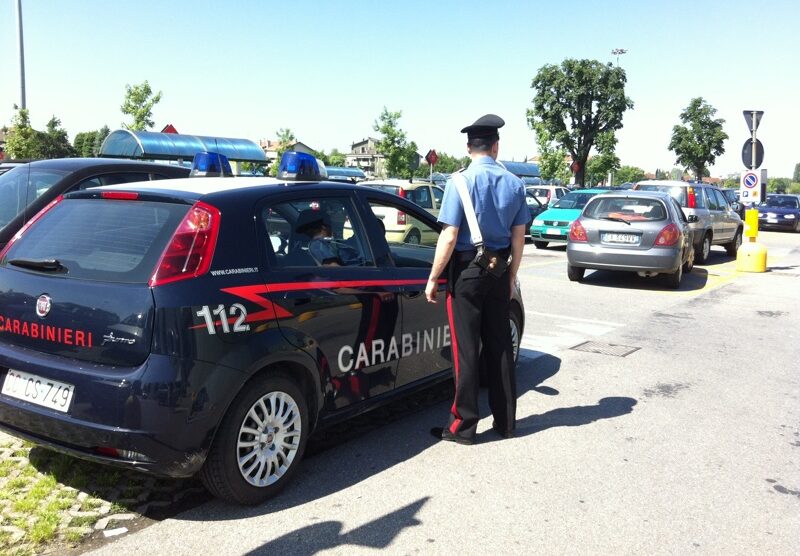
x: 21, y: 55
x: 617, y: 51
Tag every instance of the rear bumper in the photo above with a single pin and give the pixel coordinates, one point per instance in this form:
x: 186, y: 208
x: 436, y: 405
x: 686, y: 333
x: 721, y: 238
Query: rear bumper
x: 657, y: 259
x: 163, y: 411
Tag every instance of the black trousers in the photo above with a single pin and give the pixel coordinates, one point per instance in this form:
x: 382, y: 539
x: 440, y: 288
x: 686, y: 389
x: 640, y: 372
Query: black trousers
x: 478, y: 309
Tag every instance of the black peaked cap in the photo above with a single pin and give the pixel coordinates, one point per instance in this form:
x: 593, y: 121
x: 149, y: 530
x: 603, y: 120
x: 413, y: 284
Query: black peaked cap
x: 485, y: 126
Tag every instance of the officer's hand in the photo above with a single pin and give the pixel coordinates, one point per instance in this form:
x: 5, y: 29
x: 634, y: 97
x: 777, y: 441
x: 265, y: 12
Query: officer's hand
x: 431, y: 290
x: 513, y: 285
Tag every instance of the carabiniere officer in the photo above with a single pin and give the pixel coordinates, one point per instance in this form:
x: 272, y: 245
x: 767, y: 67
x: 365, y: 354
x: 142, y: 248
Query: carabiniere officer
x: 477, y: 300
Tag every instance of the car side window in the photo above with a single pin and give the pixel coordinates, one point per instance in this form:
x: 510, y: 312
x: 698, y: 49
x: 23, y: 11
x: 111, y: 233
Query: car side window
x: 422, y: 197
x: 438, y: 195
x: 677, y: 206
x: 312, y: 232
x: 411, y: 240
x: 113, y: 179
x: 711, y: 199
x: 722, y: 202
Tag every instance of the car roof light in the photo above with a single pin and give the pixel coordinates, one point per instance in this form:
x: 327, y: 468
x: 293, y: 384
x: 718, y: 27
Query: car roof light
x: 297, y: 166
x: 210, y: 164
x: 28, y: 224
x: 191, y: 249
x: 120, y: 195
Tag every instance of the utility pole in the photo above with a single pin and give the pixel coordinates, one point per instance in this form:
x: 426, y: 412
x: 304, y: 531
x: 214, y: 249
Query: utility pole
x: 21, y: 56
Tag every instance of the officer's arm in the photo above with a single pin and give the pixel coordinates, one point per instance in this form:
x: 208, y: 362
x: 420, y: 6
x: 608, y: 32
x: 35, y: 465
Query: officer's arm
x: 444, y: 248
x: 517, y: 245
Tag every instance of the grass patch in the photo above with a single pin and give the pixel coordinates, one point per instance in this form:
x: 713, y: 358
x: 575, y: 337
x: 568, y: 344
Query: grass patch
x: 6, y: 467
x: 83, y: 521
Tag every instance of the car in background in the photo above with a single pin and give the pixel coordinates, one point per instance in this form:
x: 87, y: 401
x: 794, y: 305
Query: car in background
x: 401, y: 227
x: 732, y: 195
x: 552, y: 226
x: 717, y: 223
x: 8, y: 164
x: 636, y: 231
x: 28, y: 188
x: 159, y: 328
x: 535, y: 208
x: 346, y: 174
x: 547, y: 193
x: 780, y: 212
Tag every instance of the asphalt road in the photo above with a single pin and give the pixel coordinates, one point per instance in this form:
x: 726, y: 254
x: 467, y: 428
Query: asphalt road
x: 679, y: 433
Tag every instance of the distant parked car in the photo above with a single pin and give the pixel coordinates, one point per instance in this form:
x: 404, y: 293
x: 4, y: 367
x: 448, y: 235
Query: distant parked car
x: 780, y: 212
x: 346, y: 174
x: 400, y: 227
x: 639, y: 231
x: 732, y: 195
x: 27, y: 188
x: 552, y: 226
x: 548, y: 193
x: 717, y: 222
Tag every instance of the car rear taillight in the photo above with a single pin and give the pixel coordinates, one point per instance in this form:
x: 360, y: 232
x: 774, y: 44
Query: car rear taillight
x: 401, y: 192
x: 191, y: 249
x: 668, y: 236
x: 401, y: 218
x: 577, y: 232
x: 691, y: 199
x: 28, y: 224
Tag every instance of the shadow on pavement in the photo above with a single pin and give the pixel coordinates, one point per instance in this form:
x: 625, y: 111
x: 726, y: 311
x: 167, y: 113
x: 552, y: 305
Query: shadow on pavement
x: 695, y: 280
x: 326, y: 535
x: 606, y: 408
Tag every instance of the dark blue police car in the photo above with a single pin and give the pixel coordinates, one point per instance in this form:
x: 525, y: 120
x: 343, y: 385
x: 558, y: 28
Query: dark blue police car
x: 186, y: 326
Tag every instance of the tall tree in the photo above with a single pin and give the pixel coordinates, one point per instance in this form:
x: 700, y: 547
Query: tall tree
x: 335, y: 158
x: 630, y: 174
x: 576, y: 102
x: 286, y: 139
x: 138, y: 104
x: 22, y: 141
x: 796, y: 176
x: 56, y: 141
x: 552, y: 158
x: 99, y: 137
x: 400, y: 156
x: 605, y: 161
x: 700, y: 140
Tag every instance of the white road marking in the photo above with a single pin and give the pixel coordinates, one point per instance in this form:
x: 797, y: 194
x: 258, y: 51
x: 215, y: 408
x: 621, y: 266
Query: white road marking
x: 565, y: 317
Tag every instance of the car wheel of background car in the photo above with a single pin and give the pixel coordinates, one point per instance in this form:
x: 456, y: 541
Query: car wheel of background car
x: 797, y: 226
x: 540, y: 244
x: 574, y: 273
x: 701, y: 255
x: 689, y: 264
x: 733, y: 247
x: 260, y: 442
x: 674, y: 279
x: 516, y: 328
x: 413, y: 237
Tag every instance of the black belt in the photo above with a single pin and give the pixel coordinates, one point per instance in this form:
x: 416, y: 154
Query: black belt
x: 464, y: 256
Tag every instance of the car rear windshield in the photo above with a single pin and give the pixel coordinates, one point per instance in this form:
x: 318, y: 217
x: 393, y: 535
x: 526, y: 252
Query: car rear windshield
x: 678, y: 192
x: 395, y: 189
x: 20, y: 186
x: 98, y: 239
x: 627, y: 209
x: 574, y: 200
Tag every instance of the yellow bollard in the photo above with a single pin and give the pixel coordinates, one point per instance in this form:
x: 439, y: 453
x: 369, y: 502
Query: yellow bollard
x: 752, y: 256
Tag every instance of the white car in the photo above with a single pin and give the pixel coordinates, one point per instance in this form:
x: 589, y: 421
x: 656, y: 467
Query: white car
x: 547, y: 193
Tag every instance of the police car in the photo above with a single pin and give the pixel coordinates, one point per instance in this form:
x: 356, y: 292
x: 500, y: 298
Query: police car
x: 186, y: 326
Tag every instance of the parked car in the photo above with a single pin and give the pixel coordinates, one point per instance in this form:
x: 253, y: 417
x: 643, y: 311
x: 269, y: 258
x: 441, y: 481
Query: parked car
x: 717, y: 223
x: 732, y: 195
x: 548, y: 193
x: 27, y: 188
x: 400, y: 227
x: 345, y: 173
x: 639, y: 231
x: 535, y: 208
x: 780, y: 212
x: 185, y: 327
x: 552, y: 226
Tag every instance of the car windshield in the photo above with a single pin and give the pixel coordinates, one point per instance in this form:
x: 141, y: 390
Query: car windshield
x: 678, y: 192
x: 627, y: 209
x: 20, y: 186
x: 780, y: 201
x: 389, y: 188
x: 574, y: 200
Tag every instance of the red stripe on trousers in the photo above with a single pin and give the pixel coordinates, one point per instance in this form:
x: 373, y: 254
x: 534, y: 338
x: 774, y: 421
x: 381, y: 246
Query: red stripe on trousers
x: 457, y: 422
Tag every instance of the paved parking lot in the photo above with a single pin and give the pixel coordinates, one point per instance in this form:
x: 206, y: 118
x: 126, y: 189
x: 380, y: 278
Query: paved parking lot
x: 679, y: 432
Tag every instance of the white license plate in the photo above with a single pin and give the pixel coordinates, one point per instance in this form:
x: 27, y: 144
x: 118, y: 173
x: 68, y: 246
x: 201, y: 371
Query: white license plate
x: 620, y: 238
x: 553, y: 232
x: 772, y: 220
x: 38, y: 390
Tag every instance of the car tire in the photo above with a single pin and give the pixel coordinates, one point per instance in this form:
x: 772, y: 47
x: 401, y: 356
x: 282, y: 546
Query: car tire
x: 689, y: 264
x: 733, y: 247
x: 797, y: 226
x: 540, y: 244
x: 574, y: 273
x: 674, y: 278
x: 701, y: 253
x: 515, y: 320
x: 413, y: 237
x: 275, y: 406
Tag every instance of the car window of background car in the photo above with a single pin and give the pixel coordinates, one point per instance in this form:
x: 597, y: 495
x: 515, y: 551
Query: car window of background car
x: 404, y: 253
x: 679, y: 210
x: 713, y: 203
x: 13, y: 193
x: 421, y: 196
x: 114, y: 179
x: 573, y: 200
x: 438, y: 194
x: 288, y: 247
x: 722, y: 202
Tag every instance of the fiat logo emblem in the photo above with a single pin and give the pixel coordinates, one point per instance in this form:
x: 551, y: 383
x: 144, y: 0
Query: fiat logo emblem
x: 43, y: 305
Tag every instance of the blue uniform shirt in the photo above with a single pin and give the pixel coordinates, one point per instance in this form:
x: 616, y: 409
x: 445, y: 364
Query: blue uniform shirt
x: 498, y: 197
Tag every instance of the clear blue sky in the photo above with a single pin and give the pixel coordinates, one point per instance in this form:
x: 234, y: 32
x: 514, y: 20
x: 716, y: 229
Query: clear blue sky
x: 326, y: 69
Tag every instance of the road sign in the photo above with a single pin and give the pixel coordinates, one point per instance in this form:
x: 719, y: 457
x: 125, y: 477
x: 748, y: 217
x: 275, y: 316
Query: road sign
x: 748, y: 117
x: 432, y: 158
x: 750, y: 188
x: 747, y: 153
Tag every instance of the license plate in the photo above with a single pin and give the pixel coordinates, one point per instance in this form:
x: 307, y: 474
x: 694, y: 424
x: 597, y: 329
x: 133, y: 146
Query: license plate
x: 620, y: 238
x: 553, y: 231
x: 38, y: 390
x: 772, y: 220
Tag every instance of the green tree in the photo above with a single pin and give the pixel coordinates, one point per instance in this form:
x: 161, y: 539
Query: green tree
x: 22, y: 141
x: 661, y: 175
x: 605, y: 161
x: 552, y: 158
x: 400, y: 155
x: 56, y: 141
x: 732, y: 181
x: 796, y: 176
x: 578, y: 101
x: 700, y: 140
x: 778, y: 185
x: 335, y: 158
x: 447, y: 164
x: 138, y: 104
x: 286, y: 139
x: 84, y: 143
x: 629, y: 174
x: 99, y: 137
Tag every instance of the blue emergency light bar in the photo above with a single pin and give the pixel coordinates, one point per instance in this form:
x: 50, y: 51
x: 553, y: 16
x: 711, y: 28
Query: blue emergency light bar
x: 299, y: 166
x: 210, y: 164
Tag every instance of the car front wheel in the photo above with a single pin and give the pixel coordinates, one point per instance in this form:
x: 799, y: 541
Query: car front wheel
x: 733, y: 247
x: 260, y: 442
x: 701, y: 255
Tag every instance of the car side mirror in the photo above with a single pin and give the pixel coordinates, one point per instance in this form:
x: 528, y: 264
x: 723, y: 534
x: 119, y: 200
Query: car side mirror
x: 692, y: 218
x: 736, y: 206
